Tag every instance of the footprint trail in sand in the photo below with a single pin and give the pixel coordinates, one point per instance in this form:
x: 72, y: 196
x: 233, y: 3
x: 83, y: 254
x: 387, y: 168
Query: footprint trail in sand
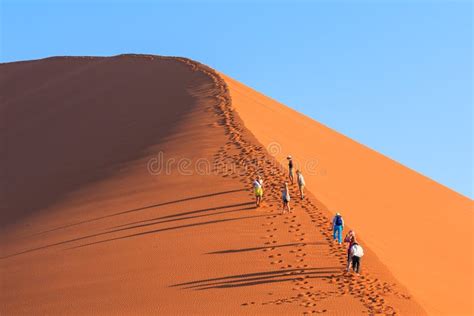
x: 298, y: 262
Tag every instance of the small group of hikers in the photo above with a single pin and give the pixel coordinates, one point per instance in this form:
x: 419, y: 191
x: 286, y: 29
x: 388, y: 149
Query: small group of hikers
x: 354, y: 249
x: 299, y: 177
x: 285, y: 192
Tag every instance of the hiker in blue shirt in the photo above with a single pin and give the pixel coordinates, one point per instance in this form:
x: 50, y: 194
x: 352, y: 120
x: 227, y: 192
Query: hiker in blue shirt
x: 337, y: 227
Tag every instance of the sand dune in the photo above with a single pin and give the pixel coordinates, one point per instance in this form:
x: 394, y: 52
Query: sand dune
x: 420, y: 229
x: 128, y: 192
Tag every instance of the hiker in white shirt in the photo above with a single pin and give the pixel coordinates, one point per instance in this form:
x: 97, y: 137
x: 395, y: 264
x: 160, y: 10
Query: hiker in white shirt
x: 356, y: 254
x: 301, y: 183
x: 285, y: 196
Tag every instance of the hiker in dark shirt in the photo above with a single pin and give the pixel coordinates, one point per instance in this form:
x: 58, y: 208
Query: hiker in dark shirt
x: 290, y: 168
x: 350, y: 239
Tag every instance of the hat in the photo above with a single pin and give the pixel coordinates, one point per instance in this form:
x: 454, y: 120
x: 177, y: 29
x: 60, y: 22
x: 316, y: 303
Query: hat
x: 338, y: 214
x: 289, y: 157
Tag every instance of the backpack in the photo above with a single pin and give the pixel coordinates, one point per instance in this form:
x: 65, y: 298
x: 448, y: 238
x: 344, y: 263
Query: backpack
x: 357, y: 250
x: 338, y: 221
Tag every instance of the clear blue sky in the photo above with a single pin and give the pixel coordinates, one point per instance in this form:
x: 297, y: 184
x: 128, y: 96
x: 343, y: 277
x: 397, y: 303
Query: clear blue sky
x: 393, y: 75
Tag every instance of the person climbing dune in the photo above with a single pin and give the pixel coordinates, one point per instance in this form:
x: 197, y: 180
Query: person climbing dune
x: 258, y: 190
x: 301, y: 183
x: 290, y: 168
x: 285, y: 195
x: 350, y: 239
x: 338, y: 227
x: 356, y: 253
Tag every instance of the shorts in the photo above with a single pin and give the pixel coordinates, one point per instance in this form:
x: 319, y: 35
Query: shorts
x: 258, y: 192
x: 285, y: 200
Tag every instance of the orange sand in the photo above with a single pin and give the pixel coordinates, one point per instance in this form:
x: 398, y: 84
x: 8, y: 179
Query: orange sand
x: 420, y: 229
x: 91, y: 226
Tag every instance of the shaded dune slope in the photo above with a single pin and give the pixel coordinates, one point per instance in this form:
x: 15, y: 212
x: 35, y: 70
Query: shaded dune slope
x: 63, y: 113
x: 420, y: 229
x: 115, y: 222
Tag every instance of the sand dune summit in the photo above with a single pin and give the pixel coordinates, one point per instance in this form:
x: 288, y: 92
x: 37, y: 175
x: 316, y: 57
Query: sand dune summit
x: 128, y: 191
